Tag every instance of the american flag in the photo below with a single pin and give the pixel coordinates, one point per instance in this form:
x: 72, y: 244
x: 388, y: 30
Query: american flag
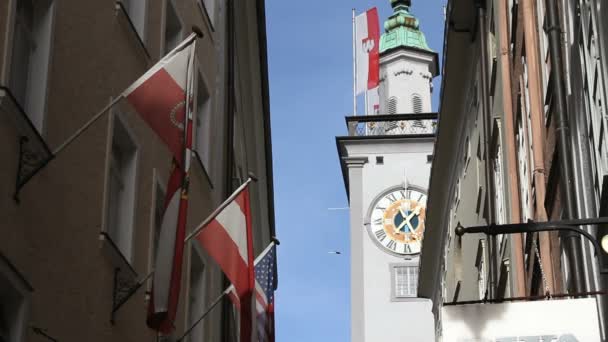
x: 265, y: 285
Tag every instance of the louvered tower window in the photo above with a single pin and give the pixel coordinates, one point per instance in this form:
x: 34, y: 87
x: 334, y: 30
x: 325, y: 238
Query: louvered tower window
x: 392, y: 105
x: 416, y: 103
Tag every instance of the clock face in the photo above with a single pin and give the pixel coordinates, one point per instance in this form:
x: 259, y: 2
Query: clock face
x: 397, y: 221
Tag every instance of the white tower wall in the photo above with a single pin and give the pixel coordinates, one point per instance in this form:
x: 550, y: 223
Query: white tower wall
x: 404, y: 75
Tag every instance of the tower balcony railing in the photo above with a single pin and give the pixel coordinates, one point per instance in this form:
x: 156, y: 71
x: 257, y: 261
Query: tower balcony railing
x: 422, y: 124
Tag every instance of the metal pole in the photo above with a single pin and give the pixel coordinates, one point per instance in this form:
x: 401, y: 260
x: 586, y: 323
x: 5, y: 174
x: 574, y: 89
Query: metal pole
x: 487, y: 125
x: 86, y: 125
x: 354, y: 65
x: 517, y: 245
x: 571, y: 241
x: 219, y: 209
x: 213, y: 305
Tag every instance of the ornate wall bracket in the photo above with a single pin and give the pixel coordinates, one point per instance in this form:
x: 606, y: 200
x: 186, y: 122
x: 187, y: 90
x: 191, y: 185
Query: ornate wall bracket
x: 34, y: 153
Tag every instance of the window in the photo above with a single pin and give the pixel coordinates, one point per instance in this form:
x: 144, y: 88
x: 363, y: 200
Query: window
x: 14, y: 300
x: 196, y: 301
x: 121, y: 189
x: 30, y: 56
x: 136, y: 9
x: 405, y: 281
x: 481, y: 268
x: 202, y: 144
x: 158, y: 210
x: 499, y: 186
x: 417, y: 103
x: 467, y: 153
x: 173, y: 27
x: 210, y: 8
x: 392, y: 105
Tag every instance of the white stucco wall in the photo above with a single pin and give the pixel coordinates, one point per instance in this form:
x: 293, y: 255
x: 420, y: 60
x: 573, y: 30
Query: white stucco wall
x: 402, y: 74
x: 381, y: 318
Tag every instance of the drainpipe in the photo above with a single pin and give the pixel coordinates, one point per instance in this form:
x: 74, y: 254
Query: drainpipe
x: 533, y: 61
x: 572, y: 243
x: 510, y: 149
x: 487, y: 127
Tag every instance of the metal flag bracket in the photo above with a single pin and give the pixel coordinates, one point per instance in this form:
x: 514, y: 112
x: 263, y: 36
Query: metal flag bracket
x: 34, y: 153
x: 124, y: 288
x: 564, y: 226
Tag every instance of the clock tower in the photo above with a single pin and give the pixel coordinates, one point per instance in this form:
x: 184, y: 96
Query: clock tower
x: 385, y: 162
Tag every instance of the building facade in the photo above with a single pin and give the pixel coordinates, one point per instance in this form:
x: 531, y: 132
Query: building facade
x: 82, y: 230
x: 385, y: 164
x: 520, y: 138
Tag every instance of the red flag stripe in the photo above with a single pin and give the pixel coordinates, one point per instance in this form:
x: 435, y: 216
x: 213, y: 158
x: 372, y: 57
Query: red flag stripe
x: 218, y: 243
x: 160, y: 101
x: 373, y: 31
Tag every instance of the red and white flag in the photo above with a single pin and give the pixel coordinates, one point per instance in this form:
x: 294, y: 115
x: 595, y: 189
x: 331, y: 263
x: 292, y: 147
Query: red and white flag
x: 162, y: 98
x: 159, y: 97
x: 228, y: 240
x: 367, y: 50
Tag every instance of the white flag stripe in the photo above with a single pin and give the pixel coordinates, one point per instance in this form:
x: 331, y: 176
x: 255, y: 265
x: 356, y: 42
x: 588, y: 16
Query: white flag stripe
x: 234, y: 222
x: 373, y: 101
x: 362, y: 54
x: 262, y: 294
x: 173, y: 62
x: 164, y: 255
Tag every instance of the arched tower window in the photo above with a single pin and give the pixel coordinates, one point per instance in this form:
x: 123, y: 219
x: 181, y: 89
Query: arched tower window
x: 391, y: 105
x: 416, y: 103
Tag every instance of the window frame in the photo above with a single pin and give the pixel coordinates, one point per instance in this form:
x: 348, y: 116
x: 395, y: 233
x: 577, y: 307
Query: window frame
x: 163, y: 35
x: 117, y: 255
x: 38, y: 114
x: 158, y: 184
x: 393, y: 271
x: 203, y: 156
x: 21, y: 286
x: 211, y: 18
x: 196, y: 252
x: 127, y: 7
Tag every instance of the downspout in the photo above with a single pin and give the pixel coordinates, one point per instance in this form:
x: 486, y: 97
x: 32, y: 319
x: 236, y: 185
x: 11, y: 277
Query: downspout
x: 572, y: 242
x: 228, y: 323
x: 510, y: 148
x: 533, y: 61
x: 487, y: 127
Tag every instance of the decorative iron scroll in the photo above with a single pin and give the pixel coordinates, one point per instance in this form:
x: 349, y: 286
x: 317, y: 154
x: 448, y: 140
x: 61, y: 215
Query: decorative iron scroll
x: 124, y: 287
x: 400, y: 127
x: 43, y: 333
x: 393, y: 124
x: 34, y: 153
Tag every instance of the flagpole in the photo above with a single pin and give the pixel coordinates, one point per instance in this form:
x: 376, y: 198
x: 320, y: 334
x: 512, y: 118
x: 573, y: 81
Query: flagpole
x: 213, y: 305
x: 221, y: 207
x: 257, y: 260
x: 354, y: 65
x: 87, y: 125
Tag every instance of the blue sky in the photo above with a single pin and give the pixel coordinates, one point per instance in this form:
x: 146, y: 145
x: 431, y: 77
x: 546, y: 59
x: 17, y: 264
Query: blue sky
x: 310, y: 62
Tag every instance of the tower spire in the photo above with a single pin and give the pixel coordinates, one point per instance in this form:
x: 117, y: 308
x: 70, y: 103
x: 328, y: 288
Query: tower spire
x: 402, y: 29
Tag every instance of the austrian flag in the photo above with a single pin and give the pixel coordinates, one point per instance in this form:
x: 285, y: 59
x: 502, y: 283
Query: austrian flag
x: 228, y: 240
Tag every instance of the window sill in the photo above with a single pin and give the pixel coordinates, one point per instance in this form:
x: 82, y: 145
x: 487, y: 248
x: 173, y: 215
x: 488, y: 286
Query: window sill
x: 408, y: 299
x: 34, y: 152
x: 111, y: 251
x: 125, y: 21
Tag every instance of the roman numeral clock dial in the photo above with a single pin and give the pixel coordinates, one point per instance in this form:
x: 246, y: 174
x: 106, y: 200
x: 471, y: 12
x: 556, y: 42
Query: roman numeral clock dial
x: 397, y: 221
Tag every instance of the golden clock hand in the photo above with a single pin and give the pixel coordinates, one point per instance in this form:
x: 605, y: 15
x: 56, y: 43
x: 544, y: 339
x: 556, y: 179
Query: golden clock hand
x: 398, y: 229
